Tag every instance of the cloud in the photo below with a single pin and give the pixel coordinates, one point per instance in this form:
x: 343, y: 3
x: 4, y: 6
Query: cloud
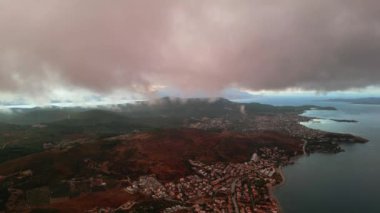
x: 196, y: 46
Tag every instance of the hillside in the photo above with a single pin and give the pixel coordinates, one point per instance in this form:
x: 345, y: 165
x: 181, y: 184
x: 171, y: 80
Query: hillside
x: 166, y: 111
x: 163, y: 153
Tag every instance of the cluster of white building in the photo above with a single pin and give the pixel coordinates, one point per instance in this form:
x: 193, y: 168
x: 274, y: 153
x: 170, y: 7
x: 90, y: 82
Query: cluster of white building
x: 220, y: 187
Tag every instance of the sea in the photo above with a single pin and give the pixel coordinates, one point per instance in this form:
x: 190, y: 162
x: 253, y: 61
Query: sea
x: 347, y: 182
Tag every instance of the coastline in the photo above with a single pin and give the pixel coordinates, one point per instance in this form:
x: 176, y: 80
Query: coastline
x: 279, y: 170
x: 272, y: 188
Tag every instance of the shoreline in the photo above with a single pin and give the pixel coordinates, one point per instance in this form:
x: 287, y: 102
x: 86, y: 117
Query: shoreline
x: 279, y: 170
x: 271, y: 188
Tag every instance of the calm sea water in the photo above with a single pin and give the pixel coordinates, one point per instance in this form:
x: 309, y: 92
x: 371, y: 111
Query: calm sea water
x: 331, y: 183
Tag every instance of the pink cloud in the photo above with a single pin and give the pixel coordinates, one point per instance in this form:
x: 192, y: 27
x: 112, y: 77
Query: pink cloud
x: 192, y: 45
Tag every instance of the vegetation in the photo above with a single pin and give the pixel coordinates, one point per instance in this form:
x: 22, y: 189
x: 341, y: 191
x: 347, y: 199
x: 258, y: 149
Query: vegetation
x: 77, y: 152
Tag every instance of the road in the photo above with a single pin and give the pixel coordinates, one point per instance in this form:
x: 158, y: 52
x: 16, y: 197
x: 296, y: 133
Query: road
x: 304, y: 147
x: 233, y: 195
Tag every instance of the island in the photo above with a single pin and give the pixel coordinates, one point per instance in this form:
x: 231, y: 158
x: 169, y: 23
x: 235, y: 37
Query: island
x: 344, y: 120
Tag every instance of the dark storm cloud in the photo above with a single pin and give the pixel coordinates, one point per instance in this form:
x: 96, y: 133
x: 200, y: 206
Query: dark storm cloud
x: 192, y: 45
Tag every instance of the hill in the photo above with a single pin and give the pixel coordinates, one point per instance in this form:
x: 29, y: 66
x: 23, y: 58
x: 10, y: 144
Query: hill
x: 168, y: 112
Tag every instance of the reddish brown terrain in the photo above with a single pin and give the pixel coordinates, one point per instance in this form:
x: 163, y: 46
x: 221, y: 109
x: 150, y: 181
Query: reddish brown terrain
x: 164, y: 153
x: 111, y: 198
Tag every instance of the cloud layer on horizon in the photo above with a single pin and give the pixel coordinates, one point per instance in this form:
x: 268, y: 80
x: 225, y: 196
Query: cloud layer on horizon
x: 196, y: 46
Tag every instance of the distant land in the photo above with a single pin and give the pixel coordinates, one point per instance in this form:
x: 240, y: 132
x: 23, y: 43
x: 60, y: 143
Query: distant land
x: 344, y: 120
x: 371, y: 100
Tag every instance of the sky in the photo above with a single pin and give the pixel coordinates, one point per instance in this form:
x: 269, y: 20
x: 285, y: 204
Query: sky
x: 54, y: 50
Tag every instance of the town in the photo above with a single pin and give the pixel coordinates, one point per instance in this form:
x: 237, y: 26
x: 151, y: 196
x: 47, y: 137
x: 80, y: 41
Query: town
x: 222, y: 187
x: 288, y: 123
